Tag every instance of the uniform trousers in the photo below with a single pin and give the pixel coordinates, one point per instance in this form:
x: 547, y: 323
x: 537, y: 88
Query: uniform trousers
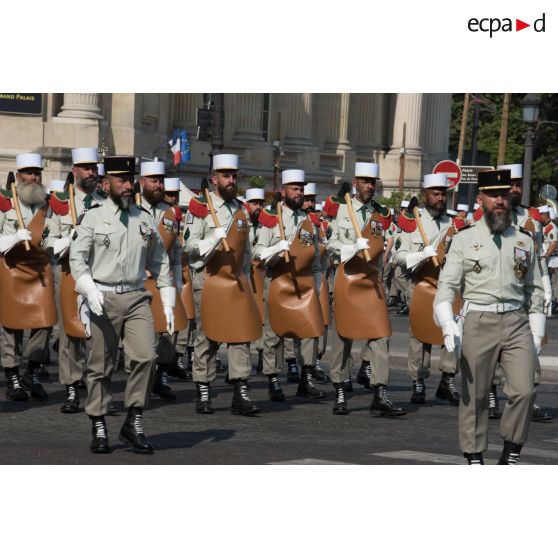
x: 205, y: 350
x: 126, y: 317
x: 11, y: 343
x: 487, y: 338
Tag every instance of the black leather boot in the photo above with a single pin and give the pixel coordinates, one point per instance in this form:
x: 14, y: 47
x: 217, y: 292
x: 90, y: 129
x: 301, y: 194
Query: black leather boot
x: 340, y: 405
x: 292, y: 371
x: 510, y: 453
x: 493, y: 405
x: 419, y: 392
x: 203, y: 401
x: 161, y: 385
x: 241, y: 403
x: 317, y: 372
x: 348, y: 385
x: 382, y: 405
x: 539, y: 415
x: 446, y: 389
x: 474, y: 458
x: 132, y: 434
x: 71, y: 406
x: 275, y: 391
x: 364, y: 375
x: 99, y: 443
x: 31, y: 380
x: 178, y: 369
x: 14, y: 389
x: 305, y: 387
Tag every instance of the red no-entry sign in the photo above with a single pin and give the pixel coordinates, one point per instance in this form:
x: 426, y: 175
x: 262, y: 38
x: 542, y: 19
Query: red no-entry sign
x: 452, y: 170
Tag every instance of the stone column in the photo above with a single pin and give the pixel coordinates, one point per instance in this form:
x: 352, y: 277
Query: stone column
x: 184, y: 110
x: 247, y: 121
x: 297, y: 120
x: 362, y: 123
x: 408, y: 110
x: 84, y: 106
x: 437, y: 126
x: 336, y: 121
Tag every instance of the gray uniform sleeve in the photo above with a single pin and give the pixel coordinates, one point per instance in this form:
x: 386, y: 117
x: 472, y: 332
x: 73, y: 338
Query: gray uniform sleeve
x: 264, y: 241
x: 334, y: 244
x: 158, y: 261
x: 80, y: 247
x: 534, y: 292
x: 54, y: 233
x: 400, y: 256
x: 449, y: 282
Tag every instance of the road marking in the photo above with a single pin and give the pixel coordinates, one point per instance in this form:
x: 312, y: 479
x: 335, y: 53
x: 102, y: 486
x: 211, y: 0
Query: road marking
x: 310, y: 461
x: 422, y: 456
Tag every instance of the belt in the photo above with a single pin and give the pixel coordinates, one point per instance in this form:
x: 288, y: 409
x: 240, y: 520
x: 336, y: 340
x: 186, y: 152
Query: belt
x: 122, y: 288
x: 496, y: 308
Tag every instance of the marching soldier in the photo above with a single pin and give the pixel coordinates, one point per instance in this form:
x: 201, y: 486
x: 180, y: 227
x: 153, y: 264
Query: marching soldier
x: 495, y: 267
x: 66, y: 214
x: 526, y: 219
x: 550, y: 246
x: 168, y: 220
x: 358, y: 290
x: 26, y: 278
x: 292, y: 307
x: 218, y: 245
x: 414, y: 252
x: 109, y: 253
x: 254, y: 203
x: 462, y: 211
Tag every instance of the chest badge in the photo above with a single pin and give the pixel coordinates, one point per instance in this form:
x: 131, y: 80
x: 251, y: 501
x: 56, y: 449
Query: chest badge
x: 106, y: 241
x: 477, y: 268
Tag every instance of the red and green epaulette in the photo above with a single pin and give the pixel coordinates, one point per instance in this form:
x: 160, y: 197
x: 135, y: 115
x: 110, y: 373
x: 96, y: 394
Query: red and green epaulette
x: 268, y: 218
x: 177, y: 213
x: 59, y: 203
x: 331, y: 206
x: 5, y: 200
x: 407, y: 222
x: 459, y: 223
x: 385, y: 216
x: 548, y: 229
x: 315, y: 219
x: 198, y: 207
x: 477, y: 215
x: 534, y: 214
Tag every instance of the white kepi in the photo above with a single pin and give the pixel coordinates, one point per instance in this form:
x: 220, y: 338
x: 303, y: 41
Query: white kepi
x: 516, y: 170
x: 29, y: 161
x: 292, y: 176
x: 367, y: 170
x: 153, y: 168
x: 225, y: 161
x: 255, y: 194
x: 310, y: 189
x: 56, y: 186
x: 172, y: 184
x: 85, y: 155
x: 438, y: 180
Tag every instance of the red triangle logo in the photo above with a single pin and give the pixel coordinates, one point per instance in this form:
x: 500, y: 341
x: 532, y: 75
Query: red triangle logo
x: 519, y: 25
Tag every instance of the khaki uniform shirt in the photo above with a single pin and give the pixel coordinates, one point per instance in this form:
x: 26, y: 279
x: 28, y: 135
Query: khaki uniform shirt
x: 407, y: 243
x: 59, y: 226
x: 199, y: 229
x: 8, y: 219
x: 486, y: 274
x: 115, y: 254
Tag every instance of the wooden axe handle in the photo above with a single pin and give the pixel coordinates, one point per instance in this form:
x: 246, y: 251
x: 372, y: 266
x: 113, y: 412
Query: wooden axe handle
x: 425, y: 240
x: 355, y: 223
x: 18, y: 214
x: 282, y: 230
x: 215, y: 220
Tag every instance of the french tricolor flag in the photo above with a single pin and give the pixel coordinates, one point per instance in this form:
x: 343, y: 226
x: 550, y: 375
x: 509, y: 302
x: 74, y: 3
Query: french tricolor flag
x: 175, y: 149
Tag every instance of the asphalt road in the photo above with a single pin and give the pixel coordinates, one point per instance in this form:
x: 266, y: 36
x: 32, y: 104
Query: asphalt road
x: 296, y: 431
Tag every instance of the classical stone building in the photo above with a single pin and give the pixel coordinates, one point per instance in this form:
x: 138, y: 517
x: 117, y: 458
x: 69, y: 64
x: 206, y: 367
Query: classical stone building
x: 321, y: 133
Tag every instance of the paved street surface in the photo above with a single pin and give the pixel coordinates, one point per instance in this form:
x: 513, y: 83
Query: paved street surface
x: 294, y: 432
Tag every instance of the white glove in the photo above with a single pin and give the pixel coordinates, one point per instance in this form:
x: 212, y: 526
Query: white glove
x: 211, y: 242
x: 61, y: 246
x: 86, y: 287
x: 349, y: 250
x: 11, y: 240
x: 538, y: 324
x: 177, y: 274
x: 547, y: 295
x: 168, y: 298
x: 270, y: 251
x: 443, y: 317
x: 415, y: 258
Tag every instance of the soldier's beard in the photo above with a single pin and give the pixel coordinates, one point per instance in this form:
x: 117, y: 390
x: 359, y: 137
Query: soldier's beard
x: 121, y: 202
x: 31, y: 193
x: 87, y: 184
x: 436, y: 211
x: 254, y: 215
x: 498, y: 222
x: 294, y: 203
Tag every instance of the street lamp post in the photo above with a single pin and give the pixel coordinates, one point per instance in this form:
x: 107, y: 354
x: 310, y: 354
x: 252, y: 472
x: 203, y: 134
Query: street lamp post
x: 530, y: 105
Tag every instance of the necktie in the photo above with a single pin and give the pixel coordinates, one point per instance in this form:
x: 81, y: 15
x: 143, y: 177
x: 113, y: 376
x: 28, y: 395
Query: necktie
x: 437, y: 221
x: 124, y: 217
x: 295, y: 215
x: 514, y: 217
x: 363, y: 211
x: 87, y: 201
x: 497, y: 240
x: 32, y: 206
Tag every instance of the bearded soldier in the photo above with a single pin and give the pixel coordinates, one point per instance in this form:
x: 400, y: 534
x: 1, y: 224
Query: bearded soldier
x: 254, y: 204
x: 550, y: 245
x: 109, y: 254
x: 26, y: 278
x: 360, y: 310
x: 528, y: 220
x: 168, y: 220
x: 494, y: 265
x: 66, y: 213
x: 291, y: 294
x: 218, y: 246
x: 414, y: 253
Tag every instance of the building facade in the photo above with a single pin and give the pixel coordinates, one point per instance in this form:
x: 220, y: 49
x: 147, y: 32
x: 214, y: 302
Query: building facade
x: 322, y: 133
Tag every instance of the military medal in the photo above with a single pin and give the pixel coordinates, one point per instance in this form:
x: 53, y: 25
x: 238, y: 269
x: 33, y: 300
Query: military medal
x: 106, y: 241
x: 146, y: 232
x: 521, y: 258
x: 241, y: 225
x: 305, y: 237
x: 477, y: 268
